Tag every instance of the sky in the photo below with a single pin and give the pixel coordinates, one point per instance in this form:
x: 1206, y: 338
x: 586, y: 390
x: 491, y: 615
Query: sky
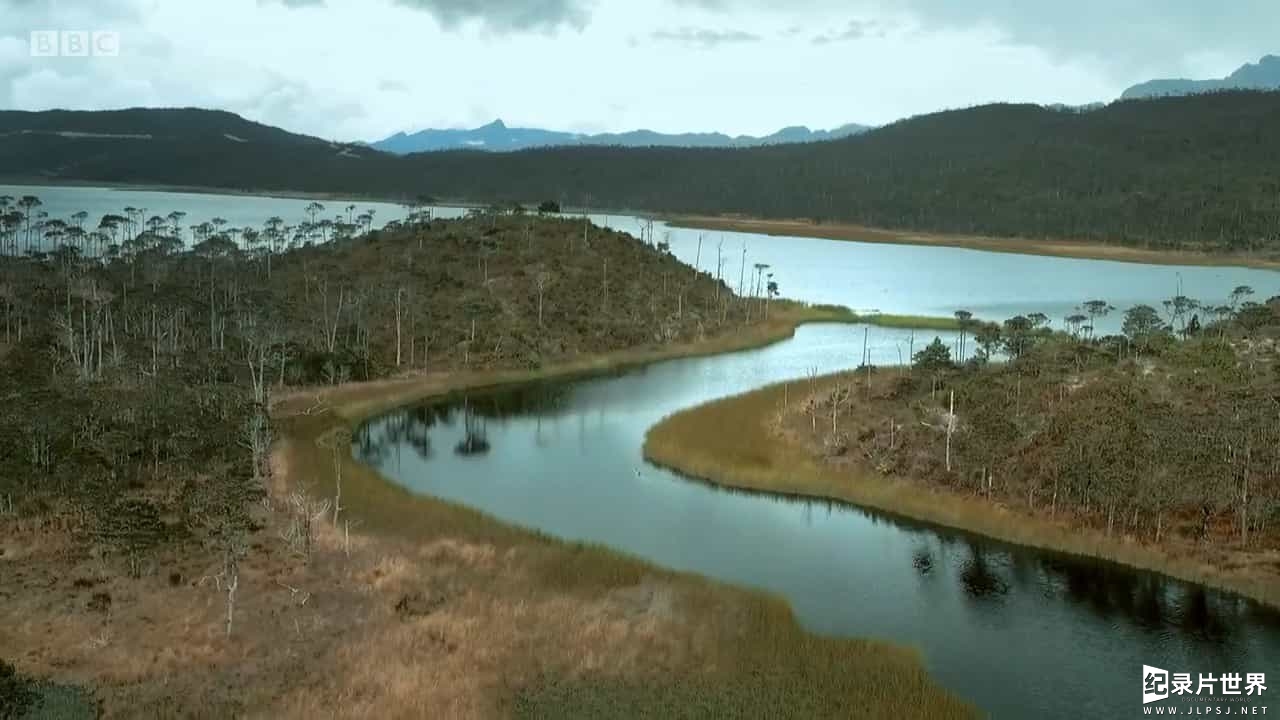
x: 363, y: 69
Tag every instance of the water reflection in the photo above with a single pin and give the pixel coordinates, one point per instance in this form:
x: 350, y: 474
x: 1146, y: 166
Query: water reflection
x: 475, y: 440
x: 979, y: 578
x: 1017, y: 630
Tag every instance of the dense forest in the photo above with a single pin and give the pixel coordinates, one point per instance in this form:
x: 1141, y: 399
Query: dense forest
x: 139, y: 356
x: 1169, y: 430
x: 148, y: 367
x: 1177, y: 172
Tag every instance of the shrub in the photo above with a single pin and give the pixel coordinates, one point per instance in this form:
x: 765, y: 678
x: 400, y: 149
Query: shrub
x: 16, y: 693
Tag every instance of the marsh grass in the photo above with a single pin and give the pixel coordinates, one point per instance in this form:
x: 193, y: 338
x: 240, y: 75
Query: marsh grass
x: 841, y: 314
x: 730, y: 652
x: 740, y: 442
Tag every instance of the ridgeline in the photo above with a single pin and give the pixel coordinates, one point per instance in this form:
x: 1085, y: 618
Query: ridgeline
x: 1192, y: 172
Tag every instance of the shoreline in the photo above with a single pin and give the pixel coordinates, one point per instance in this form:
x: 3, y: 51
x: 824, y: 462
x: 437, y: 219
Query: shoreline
x: 234, y: 192
x: 748, y: 459
x: 767, y: 636
x: 362, y: 400
x: 1069, y: 249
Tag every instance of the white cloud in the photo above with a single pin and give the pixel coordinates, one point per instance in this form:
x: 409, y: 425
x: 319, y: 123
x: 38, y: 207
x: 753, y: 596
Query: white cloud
x: 362, y: 69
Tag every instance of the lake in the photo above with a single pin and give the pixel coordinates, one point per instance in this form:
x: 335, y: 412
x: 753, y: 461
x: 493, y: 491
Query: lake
x: 61, y: 201
x: 906, y: 279
x: 926, y: 280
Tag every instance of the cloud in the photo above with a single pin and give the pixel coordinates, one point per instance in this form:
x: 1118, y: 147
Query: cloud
x: 506, y: 15
x: 704, y: 38
x: 855, y: 30
x: 283, y: 102
x: 392, y: 86
x: 294, y: 4
x: 1124, y: 35
x: 20, y: 17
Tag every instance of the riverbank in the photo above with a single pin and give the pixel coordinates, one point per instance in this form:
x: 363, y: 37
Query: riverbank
x: 742, y: 442
x: 1018, y: 246
x: 679, y: 645
x: 410, y: 606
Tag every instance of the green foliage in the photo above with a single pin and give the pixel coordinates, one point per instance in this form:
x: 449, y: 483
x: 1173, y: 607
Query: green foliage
x: 934, y: 357
x: 1141, y: 322
x: 1254, y: 316
x: 135, y: 396
x: 16, y: 693
x: 1133, y: 436
x: 1131, y: 172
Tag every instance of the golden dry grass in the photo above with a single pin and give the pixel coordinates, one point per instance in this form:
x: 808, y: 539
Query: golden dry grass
x: 745, y: 442
x: 434, y: 610
x: 1022, y: 246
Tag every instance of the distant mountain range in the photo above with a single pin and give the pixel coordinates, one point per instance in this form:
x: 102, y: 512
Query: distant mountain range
x: 1127, y: 173
x: 496, y: 136
x: 1262, y: 75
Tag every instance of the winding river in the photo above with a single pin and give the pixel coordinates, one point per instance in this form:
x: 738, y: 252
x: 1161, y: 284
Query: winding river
x: 1021, y: 632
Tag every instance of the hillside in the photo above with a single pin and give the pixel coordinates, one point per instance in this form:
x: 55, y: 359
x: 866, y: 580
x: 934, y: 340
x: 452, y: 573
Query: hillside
x: 141, y: 479
x: 1176, y: 172
x: 1262, y: 75
x: 498, y: 137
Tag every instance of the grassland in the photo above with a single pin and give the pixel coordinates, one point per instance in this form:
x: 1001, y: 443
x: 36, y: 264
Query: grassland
x: 749, y: 442
x: 681, y: 646
x: 411, y: 607
x: 1019, y: 246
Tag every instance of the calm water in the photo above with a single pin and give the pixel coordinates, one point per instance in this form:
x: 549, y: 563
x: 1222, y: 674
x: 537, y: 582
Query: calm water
x: 904, y: 279
x: 1022, y: 633
x: 919, y: 280
x: 61, y: 201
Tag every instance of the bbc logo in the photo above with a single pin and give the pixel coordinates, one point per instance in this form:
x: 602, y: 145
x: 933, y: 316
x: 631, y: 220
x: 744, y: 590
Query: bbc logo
x: 75, y: 43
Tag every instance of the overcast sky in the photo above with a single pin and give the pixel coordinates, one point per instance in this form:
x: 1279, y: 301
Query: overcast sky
x: 362, y: 69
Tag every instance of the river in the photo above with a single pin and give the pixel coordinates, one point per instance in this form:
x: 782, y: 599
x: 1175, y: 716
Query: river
x: 1023, y: 633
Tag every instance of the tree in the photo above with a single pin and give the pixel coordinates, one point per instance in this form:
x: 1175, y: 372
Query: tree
x: 312, y: 210
x: 1075, y: 322
x: 1016, y: 336
x: 1141, y: 322
x: 541, y: 281
x: 1241, y: 293
x: 16, y: 693
x: 1253, y: 316
x: 962, y: 318
x: 1096, y: 309
x: 988, y: 338
x: 934, y: 357
x: 27, y: 205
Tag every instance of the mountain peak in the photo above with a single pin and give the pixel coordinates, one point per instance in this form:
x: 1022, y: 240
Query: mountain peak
x: 1262, y: 75
x: 496, y: 136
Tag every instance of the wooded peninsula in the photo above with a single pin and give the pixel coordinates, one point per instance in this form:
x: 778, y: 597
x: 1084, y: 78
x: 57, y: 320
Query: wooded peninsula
x: 1157, y: 447
x: 183, y: 530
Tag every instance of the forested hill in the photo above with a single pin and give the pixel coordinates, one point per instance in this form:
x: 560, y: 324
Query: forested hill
x: 1167, y: 172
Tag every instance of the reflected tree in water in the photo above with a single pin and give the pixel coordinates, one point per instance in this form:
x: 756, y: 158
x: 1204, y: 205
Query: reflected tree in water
x: 922, y: 560
x: 979, y: 579
x: 374, y: 442
x: 475, y: 439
